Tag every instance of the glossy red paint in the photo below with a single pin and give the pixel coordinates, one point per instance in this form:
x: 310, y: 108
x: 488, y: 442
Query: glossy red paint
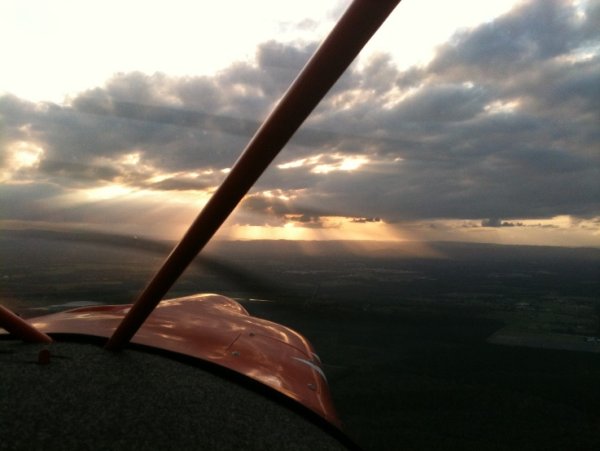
x: 216, y: 329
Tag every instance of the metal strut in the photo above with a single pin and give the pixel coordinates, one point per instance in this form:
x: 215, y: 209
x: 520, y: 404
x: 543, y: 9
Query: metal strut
x: 21, y: 328
x: 360, y: 21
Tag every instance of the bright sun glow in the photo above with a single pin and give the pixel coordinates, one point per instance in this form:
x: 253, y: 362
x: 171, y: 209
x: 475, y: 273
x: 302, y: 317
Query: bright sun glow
x: 502, y: 107
x: 348, y: 164
x: 179, y: 38
x: 26, y: 158
x: 331, y: 228
x: 107, y: 192
x: 25, y: 155
x: 185, y: 44
x: 21, y: 155
x: 131, y: 159
x: 324, y: 164
x: 284, y: 195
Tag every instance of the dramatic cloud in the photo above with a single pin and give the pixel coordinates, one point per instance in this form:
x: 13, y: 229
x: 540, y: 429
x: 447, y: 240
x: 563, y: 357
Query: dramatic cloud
x: 501, y: 123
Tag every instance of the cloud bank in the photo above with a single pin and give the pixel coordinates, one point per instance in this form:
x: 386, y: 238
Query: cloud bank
x: 502, y: 124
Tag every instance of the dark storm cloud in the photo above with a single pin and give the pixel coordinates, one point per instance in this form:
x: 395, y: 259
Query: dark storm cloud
x: 442, y: 103
x: 259, y: 209
x: 491, y: 222
x: 77, y: 173
x: 534, y: 32
x: 502, y: 123
x: 496, y: 222
x: 266, y: 206
x: 365, y: 220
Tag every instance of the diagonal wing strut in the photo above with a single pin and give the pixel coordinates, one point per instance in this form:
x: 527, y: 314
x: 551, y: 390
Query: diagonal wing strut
x: 360, y: 21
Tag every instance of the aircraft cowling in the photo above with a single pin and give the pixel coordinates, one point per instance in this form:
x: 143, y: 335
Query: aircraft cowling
x: 215, y: 329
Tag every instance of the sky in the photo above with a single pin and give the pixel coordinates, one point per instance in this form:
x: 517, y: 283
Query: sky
x: 463, y: 121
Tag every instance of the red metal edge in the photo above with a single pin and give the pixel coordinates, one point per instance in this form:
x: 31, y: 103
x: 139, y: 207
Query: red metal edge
x: 218, y: 330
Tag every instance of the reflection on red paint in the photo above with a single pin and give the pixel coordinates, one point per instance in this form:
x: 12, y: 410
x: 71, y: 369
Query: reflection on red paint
x: 219, y: 330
